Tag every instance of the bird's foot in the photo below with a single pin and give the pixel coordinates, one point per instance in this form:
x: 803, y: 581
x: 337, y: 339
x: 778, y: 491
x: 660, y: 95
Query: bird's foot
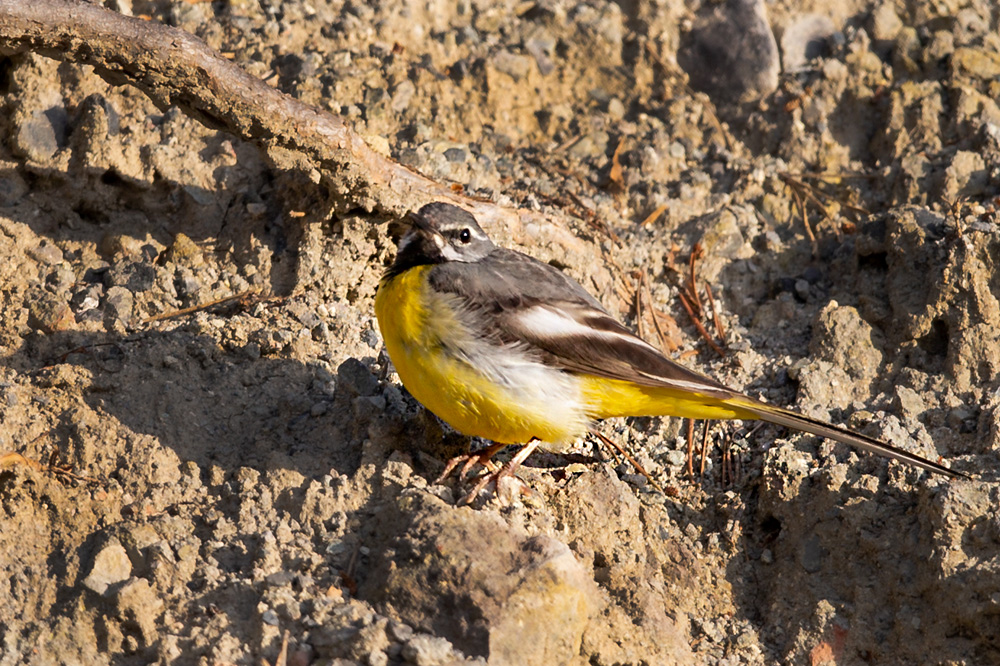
x: 505, y: 484
x: 470, y: 460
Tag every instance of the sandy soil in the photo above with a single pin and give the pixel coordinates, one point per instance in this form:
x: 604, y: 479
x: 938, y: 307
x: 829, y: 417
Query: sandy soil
x: 255, y: 468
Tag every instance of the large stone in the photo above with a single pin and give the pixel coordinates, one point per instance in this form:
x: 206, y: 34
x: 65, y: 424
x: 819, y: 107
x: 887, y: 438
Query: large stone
x: 842, y: 337
x: 731, y: 52
x: 490, y: 589
x: 111, y: 565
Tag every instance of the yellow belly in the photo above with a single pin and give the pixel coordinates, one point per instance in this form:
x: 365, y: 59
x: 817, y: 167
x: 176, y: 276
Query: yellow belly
x: 536, y: 402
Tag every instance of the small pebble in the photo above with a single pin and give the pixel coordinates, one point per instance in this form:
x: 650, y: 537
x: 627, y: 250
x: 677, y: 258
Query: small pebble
x: 46, y: 253
x: 424, y: 650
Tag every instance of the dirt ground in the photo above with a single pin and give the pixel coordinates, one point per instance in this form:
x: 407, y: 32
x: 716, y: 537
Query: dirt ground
x: 187, y: 487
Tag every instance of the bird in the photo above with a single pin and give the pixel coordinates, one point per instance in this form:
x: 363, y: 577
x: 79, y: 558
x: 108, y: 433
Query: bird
x: 502, y: 346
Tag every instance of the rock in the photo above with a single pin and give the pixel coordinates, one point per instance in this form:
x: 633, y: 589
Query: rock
x: 49, y: 313
x: 424, y: 650
x: 136, y: 276
x: 114, y: 246
x: 12, y: 188
x: 499, y: 594
x: 185, y: 251
x: 806, y: 38
x: 39, y: 134
x: 885, y: 23
x: 843, y: 338
x: 118, y: 305
x: 544, y: 617
x: 965, y: 177
x: 590, y: 146
x: 812, y: 555
x: 823, y: 384
x: 724, y: 241
x: 910, y: 403
x: 977, y: 63
x: 616, y: 110
x: 46, y: 253
x: 455, y: 155
x: 111, y: 565
x: 61, y: 278
x: 401, y: 632
x: 402, y: 94
x: 731, y: 53
x: 95, y: 135
x: 541, y: 47
x: 355, y: 377
x: 514, y: 65
x: 187, y: 285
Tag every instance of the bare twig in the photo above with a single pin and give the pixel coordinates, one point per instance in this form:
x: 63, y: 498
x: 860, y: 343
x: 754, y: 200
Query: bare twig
x: 638, y: 305
x: 635, y: 463
x: 654, y: 216
x: 61, y: 471
x: 704, y: 448
x: 698, y: 325
x: 805, y: 193
x: 667, y: 343
x: 690, y: 451
x: 696, y: 253
x: 805, y: 218
x: 89, y: 349
x: 715, y: 314
x: 243, y: 297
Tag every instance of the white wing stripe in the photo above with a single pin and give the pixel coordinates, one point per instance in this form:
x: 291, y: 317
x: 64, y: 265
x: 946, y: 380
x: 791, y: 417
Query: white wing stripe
x: 546, y: 322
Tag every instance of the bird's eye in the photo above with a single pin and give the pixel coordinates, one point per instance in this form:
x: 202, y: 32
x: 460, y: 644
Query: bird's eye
x: 465, y: 235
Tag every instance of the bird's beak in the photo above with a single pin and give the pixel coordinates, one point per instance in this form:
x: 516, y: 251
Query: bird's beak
x: 411, y: 221
x: 417, y: 221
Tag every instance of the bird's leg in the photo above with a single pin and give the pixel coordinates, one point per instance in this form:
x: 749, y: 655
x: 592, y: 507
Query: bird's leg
x: 507, y: 469
x: 470, y: 459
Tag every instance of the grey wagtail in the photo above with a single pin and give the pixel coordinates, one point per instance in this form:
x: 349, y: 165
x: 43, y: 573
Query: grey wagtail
x: 505, y: 347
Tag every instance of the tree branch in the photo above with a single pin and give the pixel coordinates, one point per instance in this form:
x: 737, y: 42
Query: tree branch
x: 175, y: 68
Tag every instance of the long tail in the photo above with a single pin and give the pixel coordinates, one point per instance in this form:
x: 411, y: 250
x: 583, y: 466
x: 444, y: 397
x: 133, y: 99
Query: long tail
x: 797, y: 421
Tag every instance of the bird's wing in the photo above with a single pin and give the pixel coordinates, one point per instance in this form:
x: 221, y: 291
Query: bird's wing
x: 584, y: 339
x: 520, y: 300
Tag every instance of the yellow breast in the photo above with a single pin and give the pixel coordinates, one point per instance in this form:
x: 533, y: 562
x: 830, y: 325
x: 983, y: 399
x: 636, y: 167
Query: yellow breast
x: 478, y: 387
